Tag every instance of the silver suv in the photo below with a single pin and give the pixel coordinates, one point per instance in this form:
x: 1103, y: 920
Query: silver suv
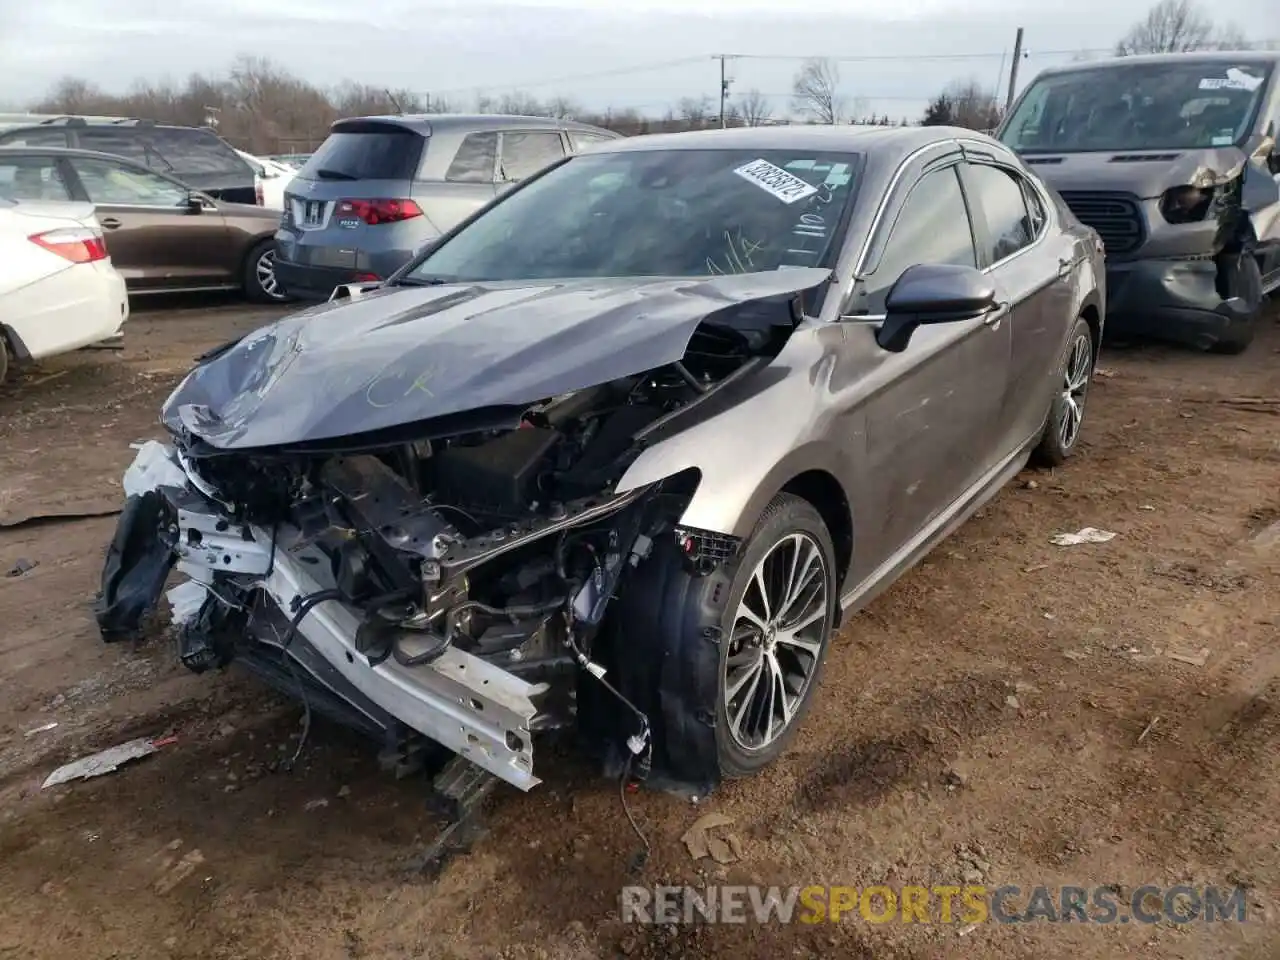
x: 380, y: 187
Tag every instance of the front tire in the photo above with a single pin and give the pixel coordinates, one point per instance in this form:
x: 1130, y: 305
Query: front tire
x: 1241, y: 277
x: 775, y: 630
x: 260, y: 283
x: 1066, y: 414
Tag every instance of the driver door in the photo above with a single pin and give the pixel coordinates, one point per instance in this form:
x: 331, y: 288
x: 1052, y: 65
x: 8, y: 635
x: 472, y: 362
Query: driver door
x: 933, y: 430
x: 155, y: 239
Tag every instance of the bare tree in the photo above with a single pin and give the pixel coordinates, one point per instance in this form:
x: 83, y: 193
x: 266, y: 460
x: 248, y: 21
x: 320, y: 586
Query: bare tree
x: 816, y: 91
x: 563, y: 108
x: 1176, y: 26
x: 753, y: 107
x: 696, y: 112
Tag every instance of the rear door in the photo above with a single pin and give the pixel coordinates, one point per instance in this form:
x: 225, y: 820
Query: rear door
x: 1034, y: 271
x: 522, y: 153
x: 470, y: 180
x: 154, y: 238
x: 348, y: 199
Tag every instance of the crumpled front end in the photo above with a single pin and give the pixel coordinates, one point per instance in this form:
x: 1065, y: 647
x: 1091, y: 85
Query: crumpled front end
x: 476, y: 646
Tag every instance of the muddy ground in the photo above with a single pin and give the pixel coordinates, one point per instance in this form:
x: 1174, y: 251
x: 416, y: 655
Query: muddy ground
x: 1095, y: 714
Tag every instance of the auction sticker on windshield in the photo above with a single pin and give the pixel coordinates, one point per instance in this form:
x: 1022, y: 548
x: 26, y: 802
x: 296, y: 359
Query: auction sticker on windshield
x: 773, y: 179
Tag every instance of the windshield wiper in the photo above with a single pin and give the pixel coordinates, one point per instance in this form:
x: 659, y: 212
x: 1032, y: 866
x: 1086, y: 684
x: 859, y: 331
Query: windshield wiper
x: 325, y: 173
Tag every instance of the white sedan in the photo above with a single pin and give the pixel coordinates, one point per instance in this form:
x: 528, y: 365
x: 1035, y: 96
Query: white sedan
x: 58, y: 289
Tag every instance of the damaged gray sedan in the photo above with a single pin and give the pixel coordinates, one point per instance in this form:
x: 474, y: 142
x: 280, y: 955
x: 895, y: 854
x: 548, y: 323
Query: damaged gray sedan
x: 615, y: 455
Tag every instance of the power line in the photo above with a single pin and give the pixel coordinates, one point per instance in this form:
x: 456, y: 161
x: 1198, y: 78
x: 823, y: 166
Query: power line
x: 653, y: 66
x: 917, y: 57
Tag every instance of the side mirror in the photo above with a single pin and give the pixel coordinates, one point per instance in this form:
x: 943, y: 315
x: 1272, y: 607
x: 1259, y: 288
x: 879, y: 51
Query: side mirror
x: 195, y: 203
x: 932, y: 293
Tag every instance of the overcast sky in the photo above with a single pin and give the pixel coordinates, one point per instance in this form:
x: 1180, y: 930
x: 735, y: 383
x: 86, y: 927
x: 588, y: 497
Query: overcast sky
x: 585, y: 49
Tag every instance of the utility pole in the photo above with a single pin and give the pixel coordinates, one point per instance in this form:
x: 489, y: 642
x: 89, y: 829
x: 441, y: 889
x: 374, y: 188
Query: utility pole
x: 1013, y: 71
x: 724, y: 86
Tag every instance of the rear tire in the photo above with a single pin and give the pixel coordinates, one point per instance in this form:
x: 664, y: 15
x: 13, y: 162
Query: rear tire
x: 1242, y: 277
x: 260, y: 283
x: 4, y: 358
x: 1066, y: 414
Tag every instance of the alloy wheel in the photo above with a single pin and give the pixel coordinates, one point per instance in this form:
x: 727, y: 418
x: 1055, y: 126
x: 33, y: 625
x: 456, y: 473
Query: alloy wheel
x: 265, y: 271
x: 1075, y: 389
x: 776, y: 641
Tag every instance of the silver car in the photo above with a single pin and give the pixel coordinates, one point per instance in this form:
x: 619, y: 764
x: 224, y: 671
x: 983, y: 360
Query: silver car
x: 380, y: 187
x: 617, y: 454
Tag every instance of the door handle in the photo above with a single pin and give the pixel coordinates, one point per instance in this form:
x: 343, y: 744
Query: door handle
x: 996, y: 314
x: 111, y: 223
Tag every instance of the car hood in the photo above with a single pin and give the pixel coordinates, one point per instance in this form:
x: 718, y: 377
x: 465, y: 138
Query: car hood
x: 1146, y: 174
x: 402, y: 355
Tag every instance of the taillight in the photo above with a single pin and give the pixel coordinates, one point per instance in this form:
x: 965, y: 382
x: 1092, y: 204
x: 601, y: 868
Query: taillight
x: 374, y: 212
x: 258, y: 196
x: 77, y: 244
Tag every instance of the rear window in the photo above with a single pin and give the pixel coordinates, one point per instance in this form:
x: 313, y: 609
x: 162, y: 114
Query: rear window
x: 177, y: 151
x: 387, y: 153
x: 188, y: 150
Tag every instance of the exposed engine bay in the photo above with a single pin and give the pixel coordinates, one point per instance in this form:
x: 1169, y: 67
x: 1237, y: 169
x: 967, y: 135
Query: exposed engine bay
x: 454, y: 586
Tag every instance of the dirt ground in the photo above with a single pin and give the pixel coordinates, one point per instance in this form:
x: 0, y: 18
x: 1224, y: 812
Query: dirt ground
x: 1109, y: 711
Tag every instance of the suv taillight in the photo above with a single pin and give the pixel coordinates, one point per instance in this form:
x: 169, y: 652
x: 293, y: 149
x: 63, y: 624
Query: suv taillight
x: 374, y: 212
x: 77, y: 244
x: 258, y: 197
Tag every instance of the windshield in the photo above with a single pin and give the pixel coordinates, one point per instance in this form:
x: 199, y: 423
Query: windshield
x: 658, y: 213
x: 1143, y: 106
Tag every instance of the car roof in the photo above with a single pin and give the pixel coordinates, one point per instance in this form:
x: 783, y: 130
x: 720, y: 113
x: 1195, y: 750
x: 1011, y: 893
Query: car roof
x: 846, y: 138
x: 1208, y: 57
x: 429, y: 123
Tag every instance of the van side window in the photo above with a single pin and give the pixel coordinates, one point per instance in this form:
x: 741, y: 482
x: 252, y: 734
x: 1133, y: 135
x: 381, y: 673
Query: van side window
x: 475, y: 160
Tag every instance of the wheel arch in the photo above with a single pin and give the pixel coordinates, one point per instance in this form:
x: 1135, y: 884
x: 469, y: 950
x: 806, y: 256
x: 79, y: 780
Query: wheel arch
x: 824, y: 493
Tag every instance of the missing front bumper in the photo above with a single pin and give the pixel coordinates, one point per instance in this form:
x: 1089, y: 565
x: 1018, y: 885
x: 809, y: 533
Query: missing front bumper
x: 467, y: 704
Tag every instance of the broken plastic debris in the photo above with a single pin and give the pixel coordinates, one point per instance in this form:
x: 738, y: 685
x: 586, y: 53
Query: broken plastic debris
x: 152, y: 467
x: 41, y: 729
x: 21, y: 566
x: 185, y: 601
x: 1198, y: 659
x: 1086, y: 535
x: 104, y: 761
x: 701, y: 842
